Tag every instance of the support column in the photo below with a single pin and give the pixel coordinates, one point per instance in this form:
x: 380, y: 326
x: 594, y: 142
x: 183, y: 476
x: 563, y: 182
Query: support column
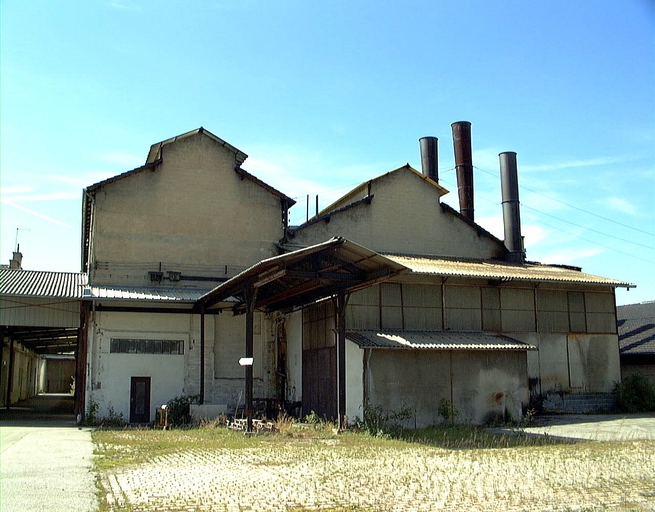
x: 340, y: 320
x: 81, y: 354
x: 10, y: 373
x: 251, y: 297
x: 202, y: 355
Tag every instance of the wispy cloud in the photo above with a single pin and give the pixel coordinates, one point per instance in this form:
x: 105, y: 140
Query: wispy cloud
x: 17, y: 189
x: 621, y: 205
x: 53, y: 196
x: 573, y: 164
x: 36, y: 214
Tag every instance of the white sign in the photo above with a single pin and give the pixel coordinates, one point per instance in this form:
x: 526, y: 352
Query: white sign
x: 246, y: 361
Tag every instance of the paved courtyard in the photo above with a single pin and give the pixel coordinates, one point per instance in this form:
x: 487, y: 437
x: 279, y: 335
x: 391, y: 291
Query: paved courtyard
x: 46, y: 461
x: 330, y: 475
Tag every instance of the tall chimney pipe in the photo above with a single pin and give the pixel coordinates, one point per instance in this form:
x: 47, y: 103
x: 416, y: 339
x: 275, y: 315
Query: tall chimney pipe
x: 509, y: 184
x: 464, y: 166
x: 430, y: 157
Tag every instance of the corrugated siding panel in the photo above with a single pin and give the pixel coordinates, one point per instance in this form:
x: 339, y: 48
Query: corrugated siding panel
x: 34, y: 312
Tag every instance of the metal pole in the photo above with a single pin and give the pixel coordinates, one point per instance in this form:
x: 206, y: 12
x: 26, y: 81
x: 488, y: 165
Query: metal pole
x: 250, y: 312
x: 202, y: 355
x: 10, y: 383
x: 340, y: 319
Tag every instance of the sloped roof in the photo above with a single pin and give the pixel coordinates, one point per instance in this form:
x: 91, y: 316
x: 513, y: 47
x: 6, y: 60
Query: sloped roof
x: 434, y: 340
x: 160, y: 294
x: 342, y: 202
x: 42, y: 284
x: 636, y: 323
x: 305, y: 275
x: 155, y: 149
x: 502, y: 271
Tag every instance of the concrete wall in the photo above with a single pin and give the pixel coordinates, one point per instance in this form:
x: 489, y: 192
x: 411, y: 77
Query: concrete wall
x: 481, y: 385
x: 58, y: 375
x: 110, y: 373
x: 584, y: 363
x: 405, y: 216
x: 192, y: 212
x: 228, y: 376
x: 27, y: 370
x: 175, y: 375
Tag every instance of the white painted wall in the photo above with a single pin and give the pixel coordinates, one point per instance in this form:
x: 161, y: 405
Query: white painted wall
x: 110, y: 374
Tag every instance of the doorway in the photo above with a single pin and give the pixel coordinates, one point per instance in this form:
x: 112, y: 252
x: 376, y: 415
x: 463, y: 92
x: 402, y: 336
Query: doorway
x: 140, y: 400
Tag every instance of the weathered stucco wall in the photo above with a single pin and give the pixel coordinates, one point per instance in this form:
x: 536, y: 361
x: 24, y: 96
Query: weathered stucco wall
x: 193, y: 209
x: 586, y: 363
x: 404, y: 216
x: 480, y: 385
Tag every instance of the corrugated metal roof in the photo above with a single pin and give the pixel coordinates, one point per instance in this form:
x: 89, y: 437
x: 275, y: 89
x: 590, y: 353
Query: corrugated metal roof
x: 501, y: 270
x: 636, y: 324
x: 435, y: 340
x: 42, y: 284
x: 186, y: 295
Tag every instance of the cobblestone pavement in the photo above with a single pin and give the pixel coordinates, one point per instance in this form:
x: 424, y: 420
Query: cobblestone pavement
x: 329, y: 474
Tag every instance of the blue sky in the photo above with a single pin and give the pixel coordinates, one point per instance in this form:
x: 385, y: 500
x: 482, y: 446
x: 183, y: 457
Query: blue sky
x: 325, y: 95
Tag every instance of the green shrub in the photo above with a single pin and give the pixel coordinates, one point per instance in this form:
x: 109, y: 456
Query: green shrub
x: 635, y: 394
x: 379, y: 422
x: 179, y: 409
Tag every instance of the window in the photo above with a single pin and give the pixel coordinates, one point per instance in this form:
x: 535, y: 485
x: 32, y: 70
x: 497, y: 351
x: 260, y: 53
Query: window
x: 140, y: 346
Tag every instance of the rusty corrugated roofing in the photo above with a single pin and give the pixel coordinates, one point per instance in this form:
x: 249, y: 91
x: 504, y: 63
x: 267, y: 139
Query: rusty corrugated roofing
x: 42, y: 284
x: 501, y: 270
x: 434, y: 340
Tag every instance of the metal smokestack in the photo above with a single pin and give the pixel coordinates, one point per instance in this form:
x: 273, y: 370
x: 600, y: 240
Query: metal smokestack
x: 509, y: 184
x: 430, y: 157
x: 464, y: 167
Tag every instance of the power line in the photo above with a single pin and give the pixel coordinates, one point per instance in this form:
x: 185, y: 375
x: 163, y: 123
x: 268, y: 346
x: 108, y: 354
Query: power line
x: 587, y: 228
x: 575, y: 207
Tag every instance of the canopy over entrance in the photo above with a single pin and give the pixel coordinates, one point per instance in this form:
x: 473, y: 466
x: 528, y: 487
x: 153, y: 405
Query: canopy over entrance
x: 304, y: 276
x: 330, y: 269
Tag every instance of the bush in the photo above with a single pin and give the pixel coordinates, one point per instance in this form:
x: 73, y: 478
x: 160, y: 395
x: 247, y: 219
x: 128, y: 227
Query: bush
x: 635, y: 394
x: 379, y: 422
x: 179, y: 409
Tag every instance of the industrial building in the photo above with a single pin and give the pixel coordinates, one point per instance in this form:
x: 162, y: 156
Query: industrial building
x: 194, y: 283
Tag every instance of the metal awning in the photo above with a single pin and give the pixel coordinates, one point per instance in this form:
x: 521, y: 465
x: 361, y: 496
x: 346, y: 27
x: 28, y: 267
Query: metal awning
x: 434, y: 340
x: 306, y: 275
